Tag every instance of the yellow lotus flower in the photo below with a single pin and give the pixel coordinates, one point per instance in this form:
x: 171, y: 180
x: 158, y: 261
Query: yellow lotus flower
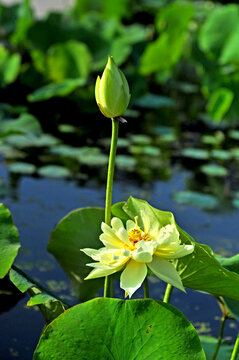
x: 135, y: 249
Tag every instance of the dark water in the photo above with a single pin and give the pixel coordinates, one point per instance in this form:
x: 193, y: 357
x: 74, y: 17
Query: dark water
x: 39, y: 203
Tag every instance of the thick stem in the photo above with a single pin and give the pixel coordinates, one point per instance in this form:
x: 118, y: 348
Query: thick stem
x: 235, y: 349
x: 109, y: 188
x: 168, y: 293
x: 220, y: 336
x: 146, y: 288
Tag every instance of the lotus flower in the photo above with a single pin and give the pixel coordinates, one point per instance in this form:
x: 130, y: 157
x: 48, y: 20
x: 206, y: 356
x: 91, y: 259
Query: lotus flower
x: 134, y: 250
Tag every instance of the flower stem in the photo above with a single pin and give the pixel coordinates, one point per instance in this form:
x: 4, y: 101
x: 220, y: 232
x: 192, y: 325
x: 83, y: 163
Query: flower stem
x: 109, y: 188
x: 220, y: 336
x: 235, y: 349
x: 146, y: 288
x: 168, y: 293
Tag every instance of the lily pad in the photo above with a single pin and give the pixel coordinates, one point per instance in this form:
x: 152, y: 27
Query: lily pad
x: 54, y: 171
x: 193, y: 198
x: 221, y: 154
x: 22, y: 168
x: 9, y: 241
x: 145, y: 150
x: 214, y: 170
x: 26, y: 124
x: 153, y: 101
x: 198, y: 154
x: 140, y: 139
x: 233, y: 134
x: 126, y: 162
x: 130, y: 329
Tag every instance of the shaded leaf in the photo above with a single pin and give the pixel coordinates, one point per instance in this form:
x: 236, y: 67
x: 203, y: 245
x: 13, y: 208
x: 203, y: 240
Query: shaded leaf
x: 9, y: 241
x: 79, y: 229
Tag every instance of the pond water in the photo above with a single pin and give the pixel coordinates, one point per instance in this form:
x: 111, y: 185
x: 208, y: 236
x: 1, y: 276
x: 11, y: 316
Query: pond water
x: 37, y: 204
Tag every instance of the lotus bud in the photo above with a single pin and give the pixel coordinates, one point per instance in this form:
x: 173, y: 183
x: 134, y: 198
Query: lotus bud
x: 112, y: 91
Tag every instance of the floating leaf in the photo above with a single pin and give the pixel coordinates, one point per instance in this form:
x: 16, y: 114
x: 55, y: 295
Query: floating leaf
x: 197, y: 199
x: 199, y: 154
x: 140, y: 139
x: 22, y: 168
x: 126, y: 162
x: 128, y: 329
x: 9, y: 241
x: 26, y: 124
x: 214, y: 170
x: 152, y: 101
x: 54, y: 171
x: 221, y: 154
x: 79, y: 229
x: 152, y: 151
x: 233, y: 134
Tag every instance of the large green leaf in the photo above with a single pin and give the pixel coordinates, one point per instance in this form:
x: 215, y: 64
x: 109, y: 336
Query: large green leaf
x: 63, y: 88
x: 113, y: 329
x: 9, y: 241
x: 219, y: 103
x: 9, y: 66
x: 232, y: 264
x: 212, y: 39
x: 50, y: 306
x: 69, y: 60
x: 199, y: 270
x: 24, y: 22
x: 79, y: 229
x: 165, y: 51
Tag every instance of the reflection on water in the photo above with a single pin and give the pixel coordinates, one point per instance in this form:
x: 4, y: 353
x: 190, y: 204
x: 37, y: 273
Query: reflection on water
x: 37, y: 204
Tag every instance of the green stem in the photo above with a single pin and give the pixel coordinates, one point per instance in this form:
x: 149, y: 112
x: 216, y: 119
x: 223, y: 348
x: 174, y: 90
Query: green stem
x: 38, y: 285
x: 220, y: 336
x: 235, y: 349
x: 168, y: 293
x: 146, y: 288
x: 109, y: 188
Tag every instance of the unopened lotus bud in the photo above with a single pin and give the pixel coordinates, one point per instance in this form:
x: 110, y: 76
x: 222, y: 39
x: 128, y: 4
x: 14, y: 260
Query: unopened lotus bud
x: 112, y: 91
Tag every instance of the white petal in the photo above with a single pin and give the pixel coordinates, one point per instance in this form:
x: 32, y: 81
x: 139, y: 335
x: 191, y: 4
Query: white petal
x: 133, y: 276
x: 166, y: 272
x: 123, y: 236
x: 116, y: 224
x: 100, y: 272
x: 146, y: 221
x: 130, y: 225
x: 111, y: 242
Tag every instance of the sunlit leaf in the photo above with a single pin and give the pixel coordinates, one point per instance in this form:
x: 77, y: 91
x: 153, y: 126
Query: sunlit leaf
x: 128, y: 329
x: 70, y: 60
x: 56, y: 90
